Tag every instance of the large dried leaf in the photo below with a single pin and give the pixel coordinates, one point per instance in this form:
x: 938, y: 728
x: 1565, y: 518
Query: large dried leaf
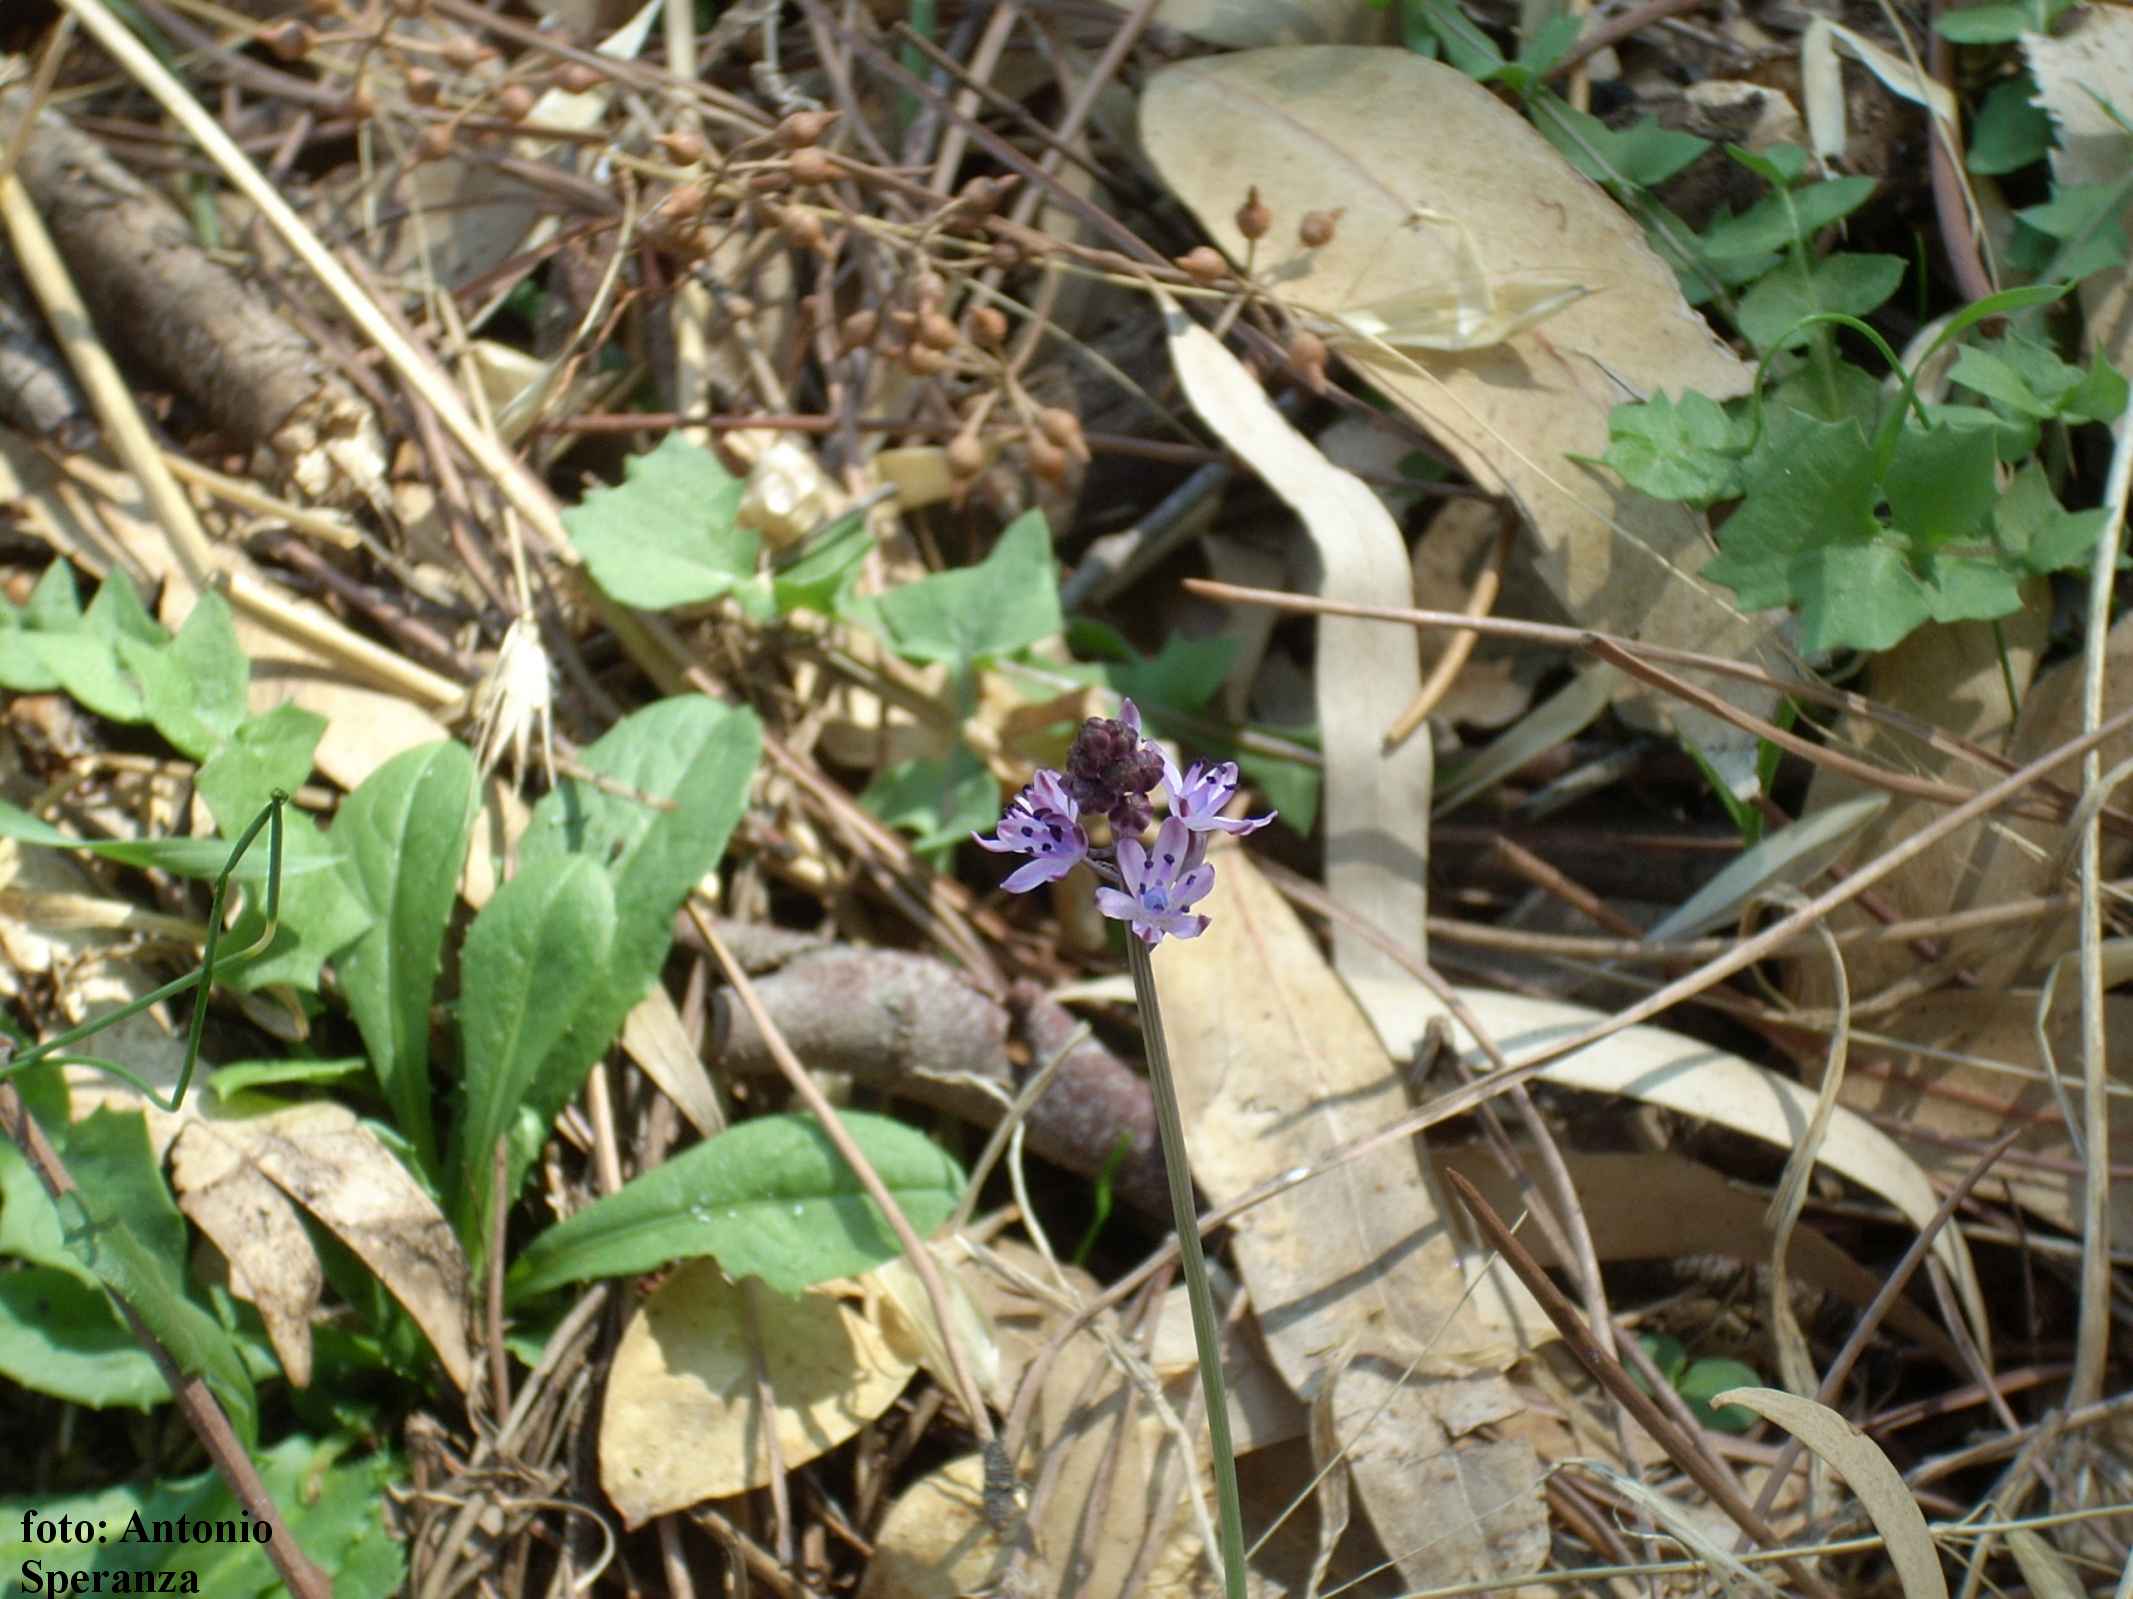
x: 2083, y: 74
x: 242, y: 1175
x: 1277, y: 1066
x: 1420, y: 160
x: 683, y: 1420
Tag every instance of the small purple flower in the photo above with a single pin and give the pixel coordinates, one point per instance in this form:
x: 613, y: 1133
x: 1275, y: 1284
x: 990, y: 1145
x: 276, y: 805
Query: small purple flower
x: 1111, y: 768
x: 1161, y: 884
x: 1045, y: 822
x: 1197, y: 799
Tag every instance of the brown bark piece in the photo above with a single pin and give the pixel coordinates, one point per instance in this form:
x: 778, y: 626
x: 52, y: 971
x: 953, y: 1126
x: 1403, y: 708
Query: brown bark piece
x: 169, y: 309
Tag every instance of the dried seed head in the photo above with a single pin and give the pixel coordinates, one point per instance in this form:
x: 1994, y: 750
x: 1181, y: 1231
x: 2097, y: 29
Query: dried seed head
x: 987, y: 325
x: 1204, y: 264
x: 575, y: 77
x: 928, y: 291
x: 1004, y: 257
x: 1047, y: 459
x: 361, y: 103
x: 937, y: 331
x: 460, y: 52
x: 514, y: 102
x: 684, y: 146
x: 966, y: 456
x: 1316, y: 229
x: 857, y: 331
x: 809, y: 165
x: 1307, y: 355
x: 422, y: 86
x: 922, y: 360
x: 1110, y: 770
x: 434, y: 142
x: 290, y: 41
x: 1254, y: 217
x: 804, y: 128
x: 1063, y: 428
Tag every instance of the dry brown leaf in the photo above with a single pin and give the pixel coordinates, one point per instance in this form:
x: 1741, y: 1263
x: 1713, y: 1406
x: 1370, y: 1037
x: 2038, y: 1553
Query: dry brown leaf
x: 1276, y: 1066
x: 1385, y: 134
x: 682, y: 1421
x: 241, y: 1174
x: 1248, y: 24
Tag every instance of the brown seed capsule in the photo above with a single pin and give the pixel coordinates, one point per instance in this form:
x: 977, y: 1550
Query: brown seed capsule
x: 1307, y: 355
x: 1047, y: 459
x: 434, y: 142
x: 460, y: 52
x: 361, y: 104
x: 981, y: 197
x: 1254, y: 217
x: 422, y: 86
x: 929, y: 291
x: 922, y: 360
x: 1063, y: 428
x: 987, y: 325
x: 1204, y: 264
x: 770, y: 180
x: 1316, y: 229
x: 575, y: 77
x: 937, y: 331
x: 801, y: 228
x: 1004, y: 257
x: 966, y: 456
x: 804, y: 128
x: 856, y: 332
x: 514, y: 102
x: 809, y: 165
x: 684, y: 146
x: 290, y: 40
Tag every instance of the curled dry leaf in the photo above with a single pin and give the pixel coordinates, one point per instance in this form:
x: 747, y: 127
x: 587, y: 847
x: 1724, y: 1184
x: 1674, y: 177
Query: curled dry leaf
x: 683, y: 1422
x: 1859, y: 1461
x: 1402, y: 143
x: 243, y: 1174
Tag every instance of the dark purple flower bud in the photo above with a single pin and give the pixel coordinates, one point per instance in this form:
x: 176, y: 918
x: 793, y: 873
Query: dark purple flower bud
x: 1197, y: 799
x: 1111, y: 768
x: 1161, y: 884
x: 1042, y: 821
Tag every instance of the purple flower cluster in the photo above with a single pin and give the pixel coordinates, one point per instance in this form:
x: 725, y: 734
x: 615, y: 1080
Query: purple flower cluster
x: 1109, y: 772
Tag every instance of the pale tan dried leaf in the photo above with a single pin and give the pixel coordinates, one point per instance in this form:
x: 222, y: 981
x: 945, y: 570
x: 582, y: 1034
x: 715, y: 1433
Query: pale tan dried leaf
x: 1376, y: 801
x: 319, y: 1156
x: 1878, y: 1485
x: 1328, y: 126
x: 1276, y: 1066
x: 682, y: 1421
x: 1248, y: 24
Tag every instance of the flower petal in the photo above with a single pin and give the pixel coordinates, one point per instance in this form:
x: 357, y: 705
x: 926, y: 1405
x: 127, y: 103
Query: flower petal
x: 1173, y: 842
x: 1133, y: 865
x: 1118, y: 906
x: 1193, y: 886
x: 1041, y: 870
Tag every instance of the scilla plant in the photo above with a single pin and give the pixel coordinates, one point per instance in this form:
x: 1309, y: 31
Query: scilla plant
x: 1110, y: 772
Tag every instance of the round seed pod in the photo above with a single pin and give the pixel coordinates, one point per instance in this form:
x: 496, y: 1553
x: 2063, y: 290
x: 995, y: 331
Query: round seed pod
x: 1063, y: 428
x: 514, y: 102
x: 987, y: 325
x: 1316, y: 229
x: 966, y: 456
x: 810, y: 166
x: 575, y: 77
x: 434, y: 142
x: 856, y: 331
x: 804, y: 128
x: 1047, y: 459
x: 1307, y: 355
x: 1254, y: 217
x: 923, y: 361
x: 461, y: 52
x: 684, y: 147
x: 937, y: 331
x: 422, y: 86
x: 1204, y: 264
x: 290, y: 40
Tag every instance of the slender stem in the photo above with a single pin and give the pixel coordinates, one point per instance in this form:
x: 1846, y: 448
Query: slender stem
x: 1206, y: 1329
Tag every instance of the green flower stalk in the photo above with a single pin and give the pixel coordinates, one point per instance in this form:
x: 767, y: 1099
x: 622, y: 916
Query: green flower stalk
x: 1151, y: 887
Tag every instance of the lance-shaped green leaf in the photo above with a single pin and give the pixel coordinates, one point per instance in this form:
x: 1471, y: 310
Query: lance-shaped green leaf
x: 770, y: 1198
